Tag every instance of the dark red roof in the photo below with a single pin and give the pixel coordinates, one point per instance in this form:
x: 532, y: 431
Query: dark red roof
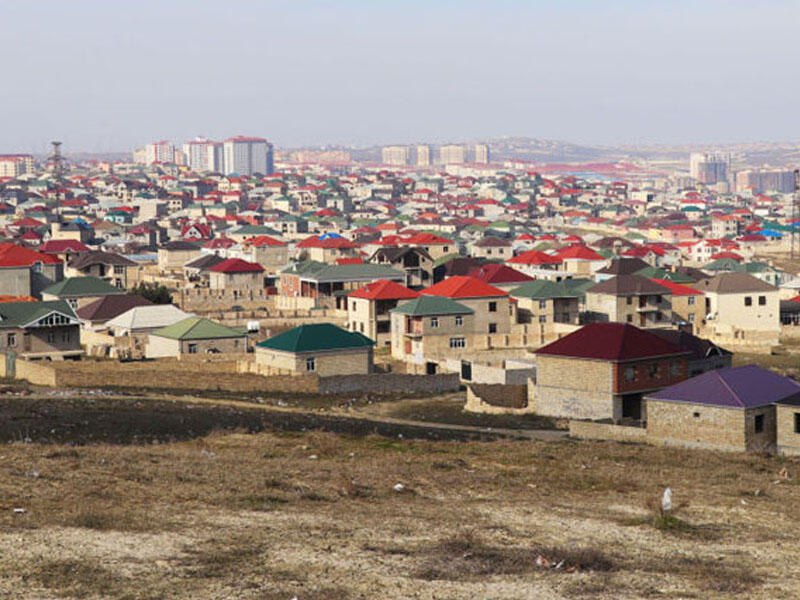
x: 496, y: 274
x: 612, y: 342
x: 12, y: 255
x: 236, y: 265
x: 534, y: 257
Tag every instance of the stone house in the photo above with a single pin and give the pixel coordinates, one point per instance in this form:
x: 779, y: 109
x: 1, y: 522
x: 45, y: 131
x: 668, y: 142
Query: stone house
x: 727, y: 409
x: 40, y: 330
x: 107, y: 266
x: 316, y: 349
x: 236, y: 274
x: 494, y: 312
x: 26, y: 272
x: 492, y: 248
x: 173, y: 255
x: 547, y: 303
x: 368, y: 308
x: 195, y: 335
x: 416, y: 262
x: 500, y: 276
x: 618, y: 364
x: 629, y: 299
x: 685, y: 303
x: 326, y: 248
x: 787, y: 425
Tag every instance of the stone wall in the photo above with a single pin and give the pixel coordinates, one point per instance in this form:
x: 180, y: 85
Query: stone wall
x: 575, y: 389
x: 788, y: 440
x: 390, y: 383
x: 589, y: 430
x: 497, y: 399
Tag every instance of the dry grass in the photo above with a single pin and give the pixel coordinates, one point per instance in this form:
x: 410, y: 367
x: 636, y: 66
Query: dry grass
x: 315, y: 515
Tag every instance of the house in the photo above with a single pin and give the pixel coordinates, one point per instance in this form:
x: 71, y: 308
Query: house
x: 618, y: 365
x: 80, y: 291
x: 40, y: 330
x: 787, y: 425
x: 580, y: 260
x: 195, y: 335
x: 416, y: 262
x: 236, y: 274
x: 547, y: 302
x: 494, y: 312
x: 704, y: 355
x: 430, y: 327
x: 130, y: 329
x: 685, y: 303
x: 741, y: 309
x: 173, y: 255
x: 196, y: 270
x: 269, y: 252
x: 326, y: 248
x: 435, y: 245
x: 368, y: 308
x: 26, y: 272
x: 95, y: 314
x: 629, y: 299
x: 492, y: 248
x: 108, y: 266
x: 621, y: 266
x: 316, y: 349
x: 727, y: 409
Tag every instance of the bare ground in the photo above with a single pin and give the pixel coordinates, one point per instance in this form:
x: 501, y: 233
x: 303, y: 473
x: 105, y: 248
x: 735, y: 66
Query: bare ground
x: 276, y: 514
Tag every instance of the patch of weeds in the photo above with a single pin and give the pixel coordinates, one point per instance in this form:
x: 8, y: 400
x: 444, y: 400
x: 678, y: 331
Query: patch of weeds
x: 77, y: 579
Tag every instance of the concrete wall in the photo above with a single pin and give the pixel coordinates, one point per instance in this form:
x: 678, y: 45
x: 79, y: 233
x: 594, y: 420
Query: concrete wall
x: 788, y: 439
x: 497, y: 399
x: 586, y: 395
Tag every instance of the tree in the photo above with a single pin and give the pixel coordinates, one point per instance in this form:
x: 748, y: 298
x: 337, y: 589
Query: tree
x: 157, y: 294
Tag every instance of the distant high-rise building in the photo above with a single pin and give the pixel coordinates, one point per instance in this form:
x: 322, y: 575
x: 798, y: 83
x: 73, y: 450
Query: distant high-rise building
x: 203, y: 155
x: 247, y: 155
x: 452, y: 154
x: 159, y: 152
x: 14, y: 165
x: 423, y: 155
x: 759, y: 181
x: 482, y: 154
x: 396, y: 156
x: 708, y: 168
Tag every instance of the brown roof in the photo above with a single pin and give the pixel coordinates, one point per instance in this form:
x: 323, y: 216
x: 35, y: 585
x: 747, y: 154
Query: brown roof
x: 108, y: 307
x: 628, y: 285
x: 491, y: 242
x: 733, y: 283
x: 624, y: 266
x: 99, y: 257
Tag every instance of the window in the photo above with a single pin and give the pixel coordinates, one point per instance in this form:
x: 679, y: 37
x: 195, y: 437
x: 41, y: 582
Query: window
x: 653, y: 371
x: 12, y: 340
x: 696, y: 415
x: 659, y: 299
x: 488, y: 251
x: 797, y: 422
x: 762, y: 300
x: 445, y: 249
x: 459, y: 320
x: 691, y: 317
x: 119, y: 269
x: 542, y: 304
x: 630, y: 373
x: 542, y: 318
x: 629, y: 300
x: 492, y: 327
x: 759, y: 423
x: 492, y: 306
x: 675, y: 369
x: 192, y: 348
x: 691, y: 300
x: 629, y: 318
x: 65, y: 336
x: 748, y: 301
x: 311, y: 364
x: 434, y: 322
x: 37, y: 267
x: 458, y: 342
x: 51, y: 337
x: 353, y: 305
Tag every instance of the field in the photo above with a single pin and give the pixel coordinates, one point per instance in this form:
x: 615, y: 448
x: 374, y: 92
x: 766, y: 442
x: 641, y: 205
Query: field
x: 99, y: 499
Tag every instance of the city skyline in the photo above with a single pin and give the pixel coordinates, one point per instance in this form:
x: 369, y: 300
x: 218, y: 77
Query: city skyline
x: 359, y: 74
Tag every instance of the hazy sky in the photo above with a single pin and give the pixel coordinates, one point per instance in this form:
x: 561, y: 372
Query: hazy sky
x: 110, y: 75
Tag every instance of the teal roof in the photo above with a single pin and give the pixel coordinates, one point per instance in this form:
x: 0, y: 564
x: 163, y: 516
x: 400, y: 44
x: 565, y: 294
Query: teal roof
x: 316, y: 337
x: 657, y: 273
x: 81, y: 286
x: 542, y: 289
x: 254, y: 230
x: 198, y: 328
x: 432, y: 305
x: 19, y: 314
x: 722, y: 264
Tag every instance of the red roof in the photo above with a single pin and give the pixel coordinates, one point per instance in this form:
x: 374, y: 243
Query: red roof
x: 612, y: 342
x: 220, y: 242
x: 426, y: 238
x: 383, y: 289
x: 59, y: 246
x: 727, y: 254
x: 350, y: 260
x: 463, y: 286
x: 27, y: 222
x: 579, y: 252
x: 12, y: 255
x: 314, y: 241
x: 264, y: 240
x: 677, y: 289
x: 496, y: 273
x: 236, y: 265
x: 534, y: 257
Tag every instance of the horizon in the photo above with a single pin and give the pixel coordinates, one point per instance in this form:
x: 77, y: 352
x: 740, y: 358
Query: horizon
x: 107, y: 78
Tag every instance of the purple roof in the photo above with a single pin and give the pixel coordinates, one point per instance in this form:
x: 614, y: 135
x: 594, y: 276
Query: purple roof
x: 739, y: 387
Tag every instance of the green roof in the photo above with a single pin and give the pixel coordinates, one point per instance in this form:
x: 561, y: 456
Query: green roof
x: 81, y: 286
x: 323, y: 272
x: 19, y: 314
x: 542, y: 289
x: 432, y: 305
x: 197, y: 328
x: 316, y: 337
x: 254, y: 230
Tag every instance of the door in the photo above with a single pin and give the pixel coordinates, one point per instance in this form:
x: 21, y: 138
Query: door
x: 632, y: 407
x: 466, y: 370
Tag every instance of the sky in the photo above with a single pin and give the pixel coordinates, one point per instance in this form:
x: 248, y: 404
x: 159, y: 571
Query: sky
x: 108, y: 75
